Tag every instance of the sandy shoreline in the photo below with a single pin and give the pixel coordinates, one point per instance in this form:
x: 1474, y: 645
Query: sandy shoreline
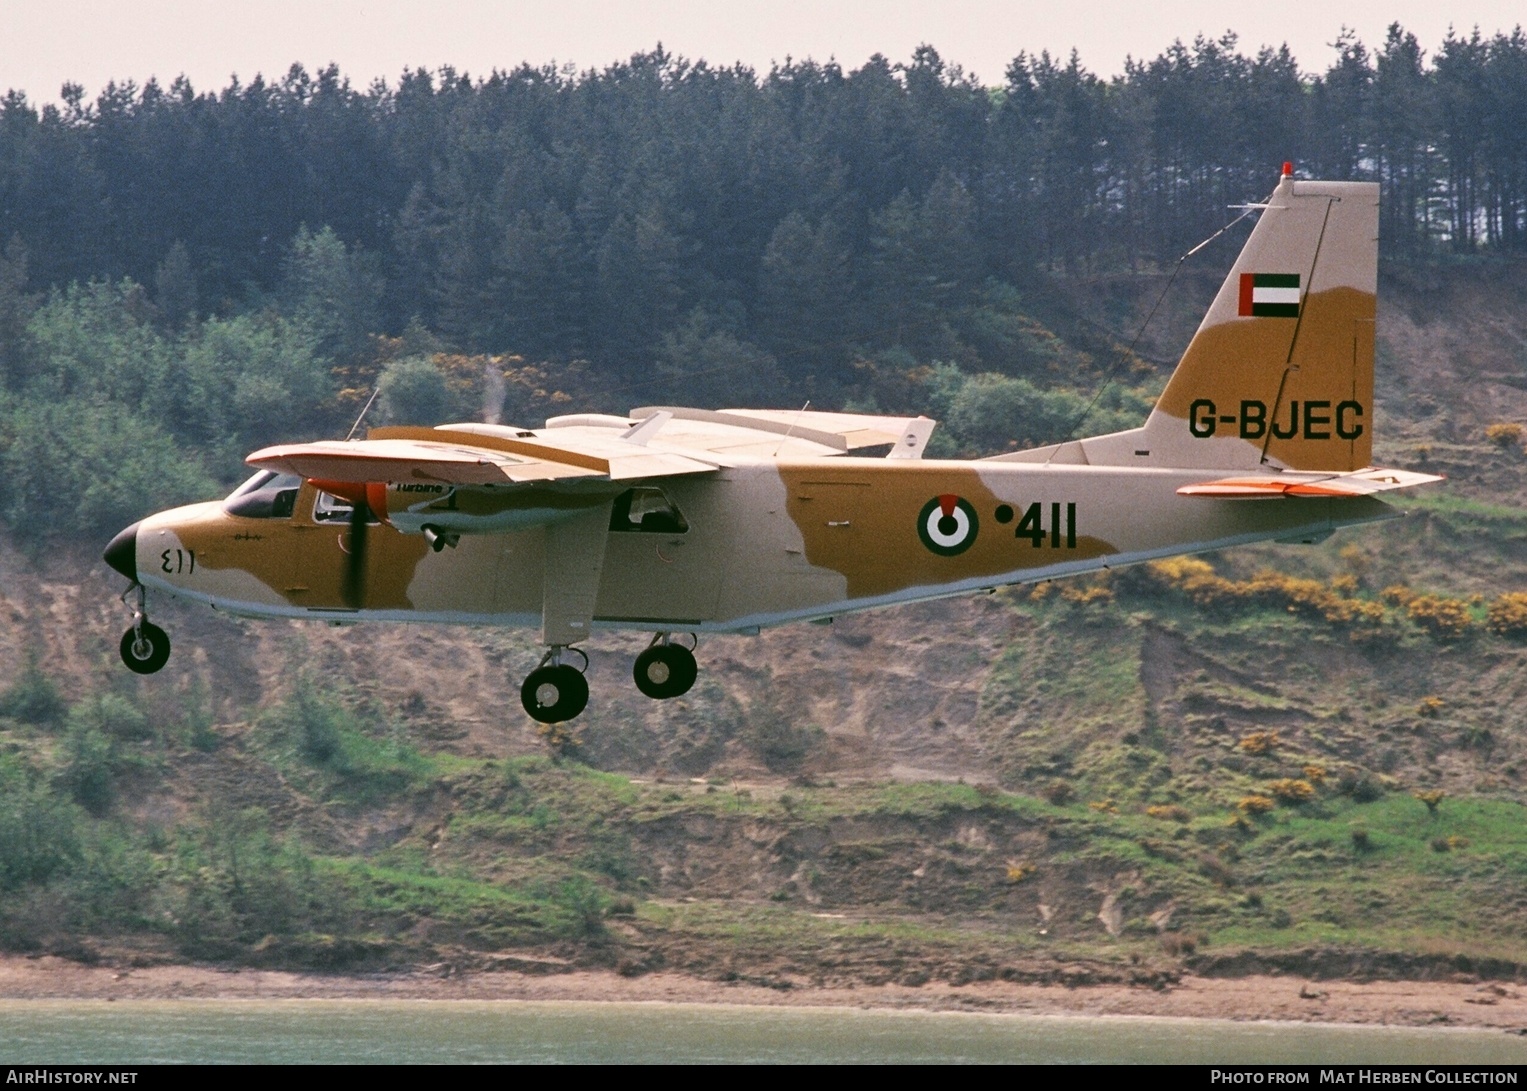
x: 1397, y: 1003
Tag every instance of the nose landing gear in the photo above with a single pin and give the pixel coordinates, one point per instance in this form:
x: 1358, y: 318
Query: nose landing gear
x: 555, y: 691
x: 665, y: 669
x: 145, y: 647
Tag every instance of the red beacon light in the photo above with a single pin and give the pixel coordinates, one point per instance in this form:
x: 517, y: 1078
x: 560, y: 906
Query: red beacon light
x: 1288, y: 169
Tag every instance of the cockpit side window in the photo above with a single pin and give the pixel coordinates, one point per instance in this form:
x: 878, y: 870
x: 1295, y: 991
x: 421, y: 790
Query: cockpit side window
x: 646, y: 511
x: 266, y: 495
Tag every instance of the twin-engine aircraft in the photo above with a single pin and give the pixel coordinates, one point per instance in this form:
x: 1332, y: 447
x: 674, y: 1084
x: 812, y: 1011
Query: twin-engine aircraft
x: 682, y: 521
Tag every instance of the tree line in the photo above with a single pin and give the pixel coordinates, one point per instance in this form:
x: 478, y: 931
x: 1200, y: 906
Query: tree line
x: 806, y: 211
x: 186, y: 276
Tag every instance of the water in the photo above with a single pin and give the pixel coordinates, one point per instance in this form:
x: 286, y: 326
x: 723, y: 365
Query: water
x: 425, y: 1031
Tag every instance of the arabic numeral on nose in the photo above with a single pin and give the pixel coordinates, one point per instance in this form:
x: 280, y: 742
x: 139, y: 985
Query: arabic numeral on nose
x: 178, y: 560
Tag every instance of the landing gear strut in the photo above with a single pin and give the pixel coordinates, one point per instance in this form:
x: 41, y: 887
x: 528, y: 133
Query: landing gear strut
x: 665, y: 669
x: 145, y: 647
x: 555, y: 691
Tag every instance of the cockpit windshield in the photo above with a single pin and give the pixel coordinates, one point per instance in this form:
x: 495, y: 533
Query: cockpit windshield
x: 266, y: 495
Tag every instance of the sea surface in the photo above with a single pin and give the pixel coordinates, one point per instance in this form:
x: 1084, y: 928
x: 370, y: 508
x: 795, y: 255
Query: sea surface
x: 511, y: 1031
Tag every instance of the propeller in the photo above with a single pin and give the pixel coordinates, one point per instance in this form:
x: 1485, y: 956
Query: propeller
x: 354, y: 586
x: 366, y: 498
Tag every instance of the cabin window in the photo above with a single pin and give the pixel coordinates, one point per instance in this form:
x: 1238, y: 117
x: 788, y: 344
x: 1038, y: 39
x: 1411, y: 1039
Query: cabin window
x: 266, y: 495
x: 328, y: 508
x: 646, y: 511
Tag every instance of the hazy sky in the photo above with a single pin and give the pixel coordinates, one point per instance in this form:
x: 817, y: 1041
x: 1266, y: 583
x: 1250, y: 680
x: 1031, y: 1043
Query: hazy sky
x: 93, y: 41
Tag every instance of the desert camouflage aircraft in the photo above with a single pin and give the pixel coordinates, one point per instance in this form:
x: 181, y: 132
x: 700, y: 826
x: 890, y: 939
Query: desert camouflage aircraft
x: 685, y: 521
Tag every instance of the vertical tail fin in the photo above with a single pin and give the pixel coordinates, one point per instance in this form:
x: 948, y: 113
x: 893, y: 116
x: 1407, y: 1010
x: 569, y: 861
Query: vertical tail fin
x: 1280, y: 373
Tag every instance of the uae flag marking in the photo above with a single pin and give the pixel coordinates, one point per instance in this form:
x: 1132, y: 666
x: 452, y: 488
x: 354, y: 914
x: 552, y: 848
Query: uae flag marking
x: 1269, y: 295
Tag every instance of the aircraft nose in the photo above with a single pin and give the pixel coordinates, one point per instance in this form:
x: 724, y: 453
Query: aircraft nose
x: 122, y: 553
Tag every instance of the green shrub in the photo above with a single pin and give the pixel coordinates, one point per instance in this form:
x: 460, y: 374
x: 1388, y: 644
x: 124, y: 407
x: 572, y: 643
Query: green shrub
x: 113, y: 466
x: 1359, y: 786
x: 585, y: 902
x: 33, y: 698
x: 38, y: 835
x: 315, y: 723
x: 780, y: 742
x: 89, y: 767
x: 1058, y: 792
x: 197, y: 723
x: 414, y: 391
x: 348, y: 737
x: 239, y: 883
x: 111, y: 715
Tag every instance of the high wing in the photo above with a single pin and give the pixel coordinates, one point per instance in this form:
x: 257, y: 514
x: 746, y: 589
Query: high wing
x: 457, y: 456
x: 654, y: 441
x: 1276, y: 486
x: 730, y: 436
x: 753, y: 430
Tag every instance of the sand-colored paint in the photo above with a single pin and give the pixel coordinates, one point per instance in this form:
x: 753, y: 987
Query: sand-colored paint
x: 861, y: 521
x: 299, y: 560
x: 1330, y: 361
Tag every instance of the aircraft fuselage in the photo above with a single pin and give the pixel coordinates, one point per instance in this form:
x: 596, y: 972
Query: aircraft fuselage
x: 762, y: 544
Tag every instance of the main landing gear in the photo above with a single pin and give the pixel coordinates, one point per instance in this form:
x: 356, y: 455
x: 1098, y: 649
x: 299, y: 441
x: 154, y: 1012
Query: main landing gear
x: 665, y: 669
x: 556, y: 691
x: 145, y: 647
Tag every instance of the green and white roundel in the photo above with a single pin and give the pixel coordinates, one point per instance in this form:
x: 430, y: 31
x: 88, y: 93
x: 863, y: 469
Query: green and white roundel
x: 947, y: 525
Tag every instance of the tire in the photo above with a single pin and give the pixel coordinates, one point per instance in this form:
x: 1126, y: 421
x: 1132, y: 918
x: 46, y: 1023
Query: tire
x: 554, y: 694
x: 664, y: 671
x: 146, y: 649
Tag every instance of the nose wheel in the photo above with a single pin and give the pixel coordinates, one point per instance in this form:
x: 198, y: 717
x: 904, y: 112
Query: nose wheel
x: 555, y: 691
x: 665, y: 669
x: 145, y: 647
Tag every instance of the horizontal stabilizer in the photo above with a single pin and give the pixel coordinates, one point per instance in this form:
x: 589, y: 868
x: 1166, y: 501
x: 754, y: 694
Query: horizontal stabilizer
x: 1276, y: 486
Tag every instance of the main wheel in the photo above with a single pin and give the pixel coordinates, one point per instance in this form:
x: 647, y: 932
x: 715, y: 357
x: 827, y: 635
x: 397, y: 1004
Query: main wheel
x: 145, y: 649
x: 553, y: 694
x: 665, y: 670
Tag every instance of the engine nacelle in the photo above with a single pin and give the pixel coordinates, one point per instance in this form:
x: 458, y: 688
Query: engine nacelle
x: 411, y: 506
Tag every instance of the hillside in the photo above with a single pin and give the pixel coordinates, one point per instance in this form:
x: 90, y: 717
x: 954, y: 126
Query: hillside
x: 1059, y: 783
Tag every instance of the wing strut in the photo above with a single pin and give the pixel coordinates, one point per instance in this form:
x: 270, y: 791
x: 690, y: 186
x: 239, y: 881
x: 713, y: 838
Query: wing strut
x: 570, y: 584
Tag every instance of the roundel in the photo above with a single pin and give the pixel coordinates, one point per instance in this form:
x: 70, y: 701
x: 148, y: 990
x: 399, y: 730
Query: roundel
x: 947, y: 525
